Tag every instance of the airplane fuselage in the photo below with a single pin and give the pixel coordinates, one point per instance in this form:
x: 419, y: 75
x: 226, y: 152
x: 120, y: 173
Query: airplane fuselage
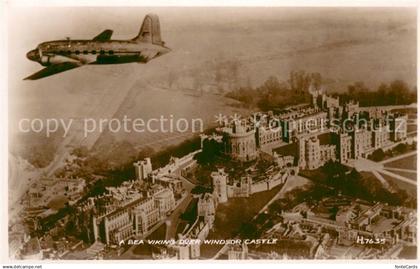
x: 63, y: 55
x: 94, y: 52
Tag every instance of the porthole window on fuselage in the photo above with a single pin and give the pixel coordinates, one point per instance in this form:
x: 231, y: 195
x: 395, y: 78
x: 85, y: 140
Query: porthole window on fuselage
x: 111, y: 52
x: 85, y: 52
x: 102, y: 52
x: 93, y: 51
x: 77, y: 52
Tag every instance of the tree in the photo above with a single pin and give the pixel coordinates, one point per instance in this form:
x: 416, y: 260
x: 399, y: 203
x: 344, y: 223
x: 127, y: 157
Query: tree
x: 199, y: 189
x: 378, y: 155
x: 248, y: 230
x: 80, y: 152
x: 299, y: 81
x: 401, y: 148
x: 316, y: 80
x: 211, y: 150
x: 275, y: 207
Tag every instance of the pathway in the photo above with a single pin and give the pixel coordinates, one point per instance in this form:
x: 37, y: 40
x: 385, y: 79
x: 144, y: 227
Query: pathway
x: 378, y: 168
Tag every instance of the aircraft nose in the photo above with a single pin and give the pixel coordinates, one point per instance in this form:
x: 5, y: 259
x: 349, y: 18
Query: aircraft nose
x: 32, y: 55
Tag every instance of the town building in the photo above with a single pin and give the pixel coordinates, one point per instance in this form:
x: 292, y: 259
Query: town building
x: 355, y: 222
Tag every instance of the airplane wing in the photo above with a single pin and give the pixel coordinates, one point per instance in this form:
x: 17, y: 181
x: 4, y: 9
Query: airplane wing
x: 53, y: 69
x: 104, y: 36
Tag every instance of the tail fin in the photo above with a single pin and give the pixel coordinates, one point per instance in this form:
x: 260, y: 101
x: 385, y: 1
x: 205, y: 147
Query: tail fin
x: 150, y: 30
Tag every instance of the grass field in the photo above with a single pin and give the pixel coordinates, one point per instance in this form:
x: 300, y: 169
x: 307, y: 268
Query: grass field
x: 405, y: 174
x: 411, y: 128
x: 405, y: 163
x: 410, y: 189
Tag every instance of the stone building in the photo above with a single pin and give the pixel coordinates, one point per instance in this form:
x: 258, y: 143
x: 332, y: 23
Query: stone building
x: 189, y: 244
x: 143, y: 169
x: 362, y: 143
x: 206, y: 208
x: 267, y: 135
x: 129, y: 214
x: 380, y: 136
x: 219, y: 180
x: 398, y: 127
x: 240, y: 142
x: 312, y: 155
x: 165, y: 201
x: 344, y: 147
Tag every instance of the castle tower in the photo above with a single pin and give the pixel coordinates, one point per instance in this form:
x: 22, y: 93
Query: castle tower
x: 302, y: 151
x: 312, y: 154
x: 143, y: 169
x: 219, y: 179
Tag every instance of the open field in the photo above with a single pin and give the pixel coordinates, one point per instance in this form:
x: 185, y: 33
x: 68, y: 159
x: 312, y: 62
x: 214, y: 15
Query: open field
x: 409, y: 188
x: 412, y: 176
x: 405, y: 163
x: 321, y: 40
x: 411, y: 128
x: 171, y: 105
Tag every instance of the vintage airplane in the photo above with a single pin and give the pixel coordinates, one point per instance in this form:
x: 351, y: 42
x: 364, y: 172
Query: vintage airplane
x: 62, y: 55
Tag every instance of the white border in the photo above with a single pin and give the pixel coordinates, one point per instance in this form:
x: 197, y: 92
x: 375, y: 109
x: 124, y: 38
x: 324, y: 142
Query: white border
x: 5, y: 5
x: 222, y: 3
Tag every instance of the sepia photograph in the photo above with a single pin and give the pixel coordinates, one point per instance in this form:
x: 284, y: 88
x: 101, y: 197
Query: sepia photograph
x: 215, y: 133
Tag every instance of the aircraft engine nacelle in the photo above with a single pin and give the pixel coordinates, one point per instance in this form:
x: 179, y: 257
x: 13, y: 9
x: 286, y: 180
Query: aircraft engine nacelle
x: 45, y: 60
x: 55, y: 59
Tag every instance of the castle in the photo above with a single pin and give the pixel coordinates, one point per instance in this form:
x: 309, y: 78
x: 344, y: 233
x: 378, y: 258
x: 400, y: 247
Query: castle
x: 354, y: 132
